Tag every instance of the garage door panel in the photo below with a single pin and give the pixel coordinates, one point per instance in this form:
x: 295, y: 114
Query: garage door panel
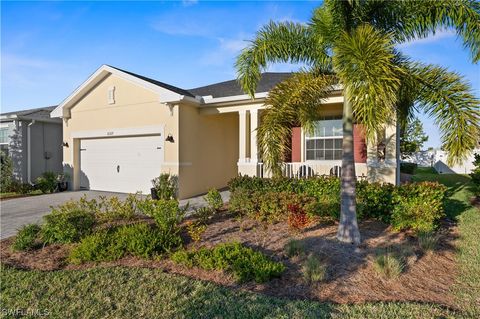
x: 138, y: 160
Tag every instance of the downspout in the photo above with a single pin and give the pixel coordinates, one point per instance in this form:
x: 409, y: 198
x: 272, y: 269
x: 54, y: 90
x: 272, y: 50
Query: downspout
x: 29, y: 153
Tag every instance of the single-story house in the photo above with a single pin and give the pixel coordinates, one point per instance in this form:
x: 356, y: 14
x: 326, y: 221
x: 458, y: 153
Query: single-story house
x: 34, y: 142
x: 121, y: 129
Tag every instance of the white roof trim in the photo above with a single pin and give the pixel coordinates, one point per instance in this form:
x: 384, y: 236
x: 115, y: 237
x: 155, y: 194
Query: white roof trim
x: 234, y: 98
x: 165, y: 95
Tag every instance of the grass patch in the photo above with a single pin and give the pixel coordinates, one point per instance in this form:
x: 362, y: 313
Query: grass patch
x: 150, y: 293
x: 427, y: 241
x: 294, y: 247
x: 389, y: 265
x: 313, y: 270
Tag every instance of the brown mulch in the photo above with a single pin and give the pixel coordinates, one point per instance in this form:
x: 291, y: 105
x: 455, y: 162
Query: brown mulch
x: 475, y: 201
x: 351, y: 277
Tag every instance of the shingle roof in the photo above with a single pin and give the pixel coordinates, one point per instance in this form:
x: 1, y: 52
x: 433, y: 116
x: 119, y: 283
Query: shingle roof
x: 232, y: 88
x: 161, y: 84
x: 41, y: 112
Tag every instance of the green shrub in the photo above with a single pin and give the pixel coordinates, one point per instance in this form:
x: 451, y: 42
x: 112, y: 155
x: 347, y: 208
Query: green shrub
x: 272, y: 208
x: 475, y: 174
x: 195, y: 230
x: 326, y: 190
x: 313, y: 270
x: 214, y: 199
x: 418, y: 206
x: 243, y: 201
x: 389, y: 264
x: 294, y: 247
x: 203, y: 214
x: 427, y: 241
x: 166, y: 186
x: 20, y: 188
x: 408, y: 168
x: 374, y: 200
x: 141, y: 240
x: 6, y: 172
x: 66, y: 226
x: 245, y: 263
x: 167, y: 216
x: 114, y: 209
x: 47, y: 183
x: 27, y: 237
x: 96, y: 247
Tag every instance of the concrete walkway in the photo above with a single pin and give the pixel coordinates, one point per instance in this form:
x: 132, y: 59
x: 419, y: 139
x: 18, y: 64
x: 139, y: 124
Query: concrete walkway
x: 14, y: 213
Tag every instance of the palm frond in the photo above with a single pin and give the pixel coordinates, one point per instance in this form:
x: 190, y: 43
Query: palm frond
x: 295, y: 101
x: 364, y: 61
x: 278, y: 42
x: 447, y: 97
x: 419, y: 19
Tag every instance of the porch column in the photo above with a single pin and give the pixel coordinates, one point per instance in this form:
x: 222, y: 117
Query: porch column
x: 253, y: 136
x: 242, y: 125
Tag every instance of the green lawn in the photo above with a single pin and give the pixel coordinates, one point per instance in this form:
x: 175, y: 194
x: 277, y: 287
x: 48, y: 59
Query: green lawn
x: 13, y: 194
x: 133, y: 292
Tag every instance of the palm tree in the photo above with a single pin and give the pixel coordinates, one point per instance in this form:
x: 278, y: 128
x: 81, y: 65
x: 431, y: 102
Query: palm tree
x: 352, y: 43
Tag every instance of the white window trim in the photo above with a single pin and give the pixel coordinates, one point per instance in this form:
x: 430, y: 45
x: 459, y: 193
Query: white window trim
x: 330, y: 137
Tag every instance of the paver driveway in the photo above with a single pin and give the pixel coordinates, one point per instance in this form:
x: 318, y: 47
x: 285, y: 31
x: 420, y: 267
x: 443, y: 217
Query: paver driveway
x: 14, y: 213
x: 17, y: 212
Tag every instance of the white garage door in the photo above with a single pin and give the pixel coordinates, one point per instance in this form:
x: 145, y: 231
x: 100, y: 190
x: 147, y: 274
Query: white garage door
x: 122, y: 164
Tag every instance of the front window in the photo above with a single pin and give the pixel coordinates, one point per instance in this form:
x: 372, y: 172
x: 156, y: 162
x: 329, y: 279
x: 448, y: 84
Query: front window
x: 326, y: 141
x: 4, y: 132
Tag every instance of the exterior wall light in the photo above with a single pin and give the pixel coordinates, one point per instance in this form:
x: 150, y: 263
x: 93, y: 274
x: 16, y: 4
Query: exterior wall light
x: 65, y: 144
x: 170, y: 138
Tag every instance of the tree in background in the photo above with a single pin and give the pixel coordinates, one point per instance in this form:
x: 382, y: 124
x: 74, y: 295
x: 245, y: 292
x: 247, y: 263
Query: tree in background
x: 412, y: 138
x: 352, y: 43
x: 6, y: 172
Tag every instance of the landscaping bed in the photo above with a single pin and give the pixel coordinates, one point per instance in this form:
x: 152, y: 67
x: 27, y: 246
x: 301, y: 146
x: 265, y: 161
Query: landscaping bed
x: 276, y: 249
x: 350, y: 278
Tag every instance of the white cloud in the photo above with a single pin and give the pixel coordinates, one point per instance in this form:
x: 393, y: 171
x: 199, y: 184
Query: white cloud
x: 439, y: 35
x: 188, y: 3
x: 225, y: 51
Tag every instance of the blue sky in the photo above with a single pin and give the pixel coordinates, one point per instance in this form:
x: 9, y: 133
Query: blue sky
x: 49, y: 48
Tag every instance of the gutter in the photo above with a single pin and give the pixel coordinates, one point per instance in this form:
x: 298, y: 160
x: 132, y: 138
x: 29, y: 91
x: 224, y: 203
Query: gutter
x: 29, y: 152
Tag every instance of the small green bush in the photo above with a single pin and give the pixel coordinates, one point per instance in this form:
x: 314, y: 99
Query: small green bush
x: 203, y: 214
x: 427, y: 241
x: 96, y: 247
x: 66, y: 226
x: 389, y: 264
x: 115, y: 209
x: 475, y: 174
x: 294, y: 247
x: 167, y: 216
x: 408, y: 168
x: 6, y: 172
x: 243, y: 201
x: 374, y: 200
x: 47, y: 183
x: 313, y: 270
x: 141, y: 240
x: 214, y: 199
x: 326, y: 191
x: 245, y: 263
x: 166, y: 186
x: 27, y: 237
x: 418, y: 206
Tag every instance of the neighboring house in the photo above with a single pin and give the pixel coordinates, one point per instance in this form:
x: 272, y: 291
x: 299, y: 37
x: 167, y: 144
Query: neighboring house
x: 464, y: 168
x: 121, y: 129
x: 421, y: 158
x: 34, y: 142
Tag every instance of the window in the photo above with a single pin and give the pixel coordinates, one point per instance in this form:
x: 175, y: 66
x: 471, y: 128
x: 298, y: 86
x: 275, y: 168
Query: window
x: 4, y: 133
x: 326, y: 141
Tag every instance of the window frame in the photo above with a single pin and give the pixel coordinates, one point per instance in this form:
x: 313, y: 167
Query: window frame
x: 324, y: 138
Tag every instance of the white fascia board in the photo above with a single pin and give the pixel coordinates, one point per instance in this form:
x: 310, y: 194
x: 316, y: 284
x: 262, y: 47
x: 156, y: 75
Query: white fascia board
x: 234, y: 98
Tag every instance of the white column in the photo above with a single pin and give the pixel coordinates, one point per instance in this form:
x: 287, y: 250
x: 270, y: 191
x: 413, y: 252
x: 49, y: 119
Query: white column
x: 242, y: 125
x: 253, y: 136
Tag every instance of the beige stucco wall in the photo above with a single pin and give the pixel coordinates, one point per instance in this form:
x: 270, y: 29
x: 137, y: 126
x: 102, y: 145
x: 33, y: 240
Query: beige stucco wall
x: 134, y: 107
x: 208, y: 150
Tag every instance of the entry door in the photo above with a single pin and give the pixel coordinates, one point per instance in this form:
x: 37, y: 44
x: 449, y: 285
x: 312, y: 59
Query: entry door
x: 121, y: 164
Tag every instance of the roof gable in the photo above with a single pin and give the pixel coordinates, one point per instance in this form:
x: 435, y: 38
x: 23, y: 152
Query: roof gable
x: 167, y: 93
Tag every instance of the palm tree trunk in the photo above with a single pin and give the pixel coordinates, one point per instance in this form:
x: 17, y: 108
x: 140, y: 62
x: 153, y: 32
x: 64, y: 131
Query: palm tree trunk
x: 348, y: 227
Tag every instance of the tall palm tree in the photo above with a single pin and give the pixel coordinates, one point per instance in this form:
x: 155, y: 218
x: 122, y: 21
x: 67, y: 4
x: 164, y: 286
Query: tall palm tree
x: 353, y: 43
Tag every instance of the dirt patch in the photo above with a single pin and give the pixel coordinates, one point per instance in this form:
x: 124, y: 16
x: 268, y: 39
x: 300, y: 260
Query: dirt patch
x: 351, y: 277
x: 475, y: 201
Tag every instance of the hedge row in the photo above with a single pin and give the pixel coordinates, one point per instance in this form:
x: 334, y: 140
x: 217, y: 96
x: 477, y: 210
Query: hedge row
x: 416, y: 206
